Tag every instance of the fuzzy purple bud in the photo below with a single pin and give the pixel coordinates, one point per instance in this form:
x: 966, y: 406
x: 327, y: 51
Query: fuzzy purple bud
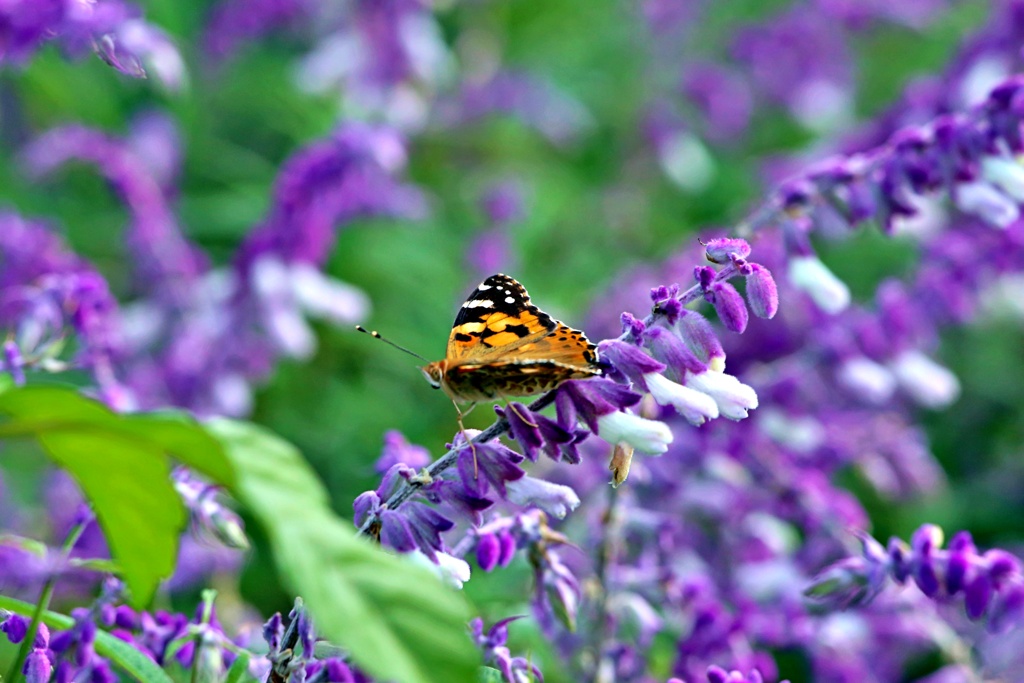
x: 725, y: 250
x: 762, y: 294
x: 488, y: 549
x: 729, y: 305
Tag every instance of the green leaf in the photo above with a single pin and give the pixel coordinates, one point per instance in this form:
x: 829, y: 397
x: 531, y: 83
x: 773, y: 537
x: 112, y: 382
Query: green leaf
x: 490, y: 675
x: 239, y: 668
x: 398, y: 620
x: 121, y: 463
x: 121, y: 654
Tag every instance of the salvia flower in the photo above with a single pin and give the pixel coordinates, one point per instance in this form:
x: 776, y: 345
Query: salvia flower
x: 112, y: 29
x: 496, y: 653
x: 991, y: 583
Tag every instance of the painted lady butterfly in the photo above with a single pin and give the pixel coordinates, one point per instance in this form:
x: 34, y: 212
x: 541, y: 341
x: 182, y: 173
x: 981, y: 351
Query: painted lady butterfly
x: 501, y: 346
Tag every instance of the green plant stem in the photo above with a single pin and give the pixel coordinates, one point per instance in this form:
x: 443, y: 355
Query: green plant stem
x: 15, y: 674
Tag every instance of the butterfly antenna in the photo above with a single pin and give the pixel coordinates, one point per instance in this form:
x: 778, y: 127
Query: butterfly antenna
x: 376, y: 335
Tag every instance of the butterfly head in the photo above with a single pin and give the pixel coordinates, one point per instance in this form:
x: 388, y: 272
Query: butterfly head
x: 434, y: 372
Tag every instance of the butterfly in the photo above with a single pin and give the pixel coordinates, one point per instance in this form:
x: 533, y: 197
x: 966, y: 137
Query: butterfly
x: 502, y: 346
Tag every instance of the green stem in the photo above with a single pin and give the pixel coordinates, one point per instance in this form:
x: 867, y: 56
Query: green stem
x: 14, y: 675
x: 208, y: 596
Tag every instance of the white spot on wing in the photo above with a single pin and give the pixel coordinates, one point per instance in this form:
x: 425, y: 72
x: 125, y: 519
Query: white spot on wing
x: 510, y: 299
x: 483, y: 288
x: 479, y: 303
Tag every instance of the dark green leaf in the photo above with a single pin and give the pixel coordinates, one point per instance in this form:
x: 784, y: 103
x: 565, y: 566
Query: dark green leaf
x: 121, y: 654
x: 398, y: 621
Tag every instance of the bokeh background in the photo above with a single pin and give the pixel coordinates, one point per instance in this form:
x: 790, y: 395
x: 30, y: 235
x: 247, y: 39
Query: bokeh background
x: 565, y: 142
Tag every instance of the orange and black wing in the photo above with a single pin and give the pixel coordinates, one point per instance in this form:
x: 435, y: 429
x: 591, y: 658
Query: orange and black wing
x: 496, y: 321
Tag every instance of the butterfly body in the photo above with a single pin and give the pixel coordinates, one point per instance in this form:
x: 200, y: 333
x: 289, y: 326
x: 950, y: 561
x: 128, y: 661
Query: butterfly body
x: 503, y: 346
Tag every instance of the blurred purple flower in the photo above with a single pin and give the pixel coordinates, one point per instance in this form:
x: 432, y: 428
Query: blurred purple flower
x: 110, y: 28
x: 522, y: 96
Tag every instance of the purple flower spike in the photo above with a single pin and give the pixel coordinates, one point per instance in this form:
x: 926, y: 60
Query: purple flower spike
x: 38, y: 667
x: 762, y: 294
x: 729, y: 305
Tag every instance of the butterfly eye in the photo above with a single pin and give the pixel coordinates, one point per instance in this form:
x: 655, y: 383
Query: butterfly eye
x: 433, y: 375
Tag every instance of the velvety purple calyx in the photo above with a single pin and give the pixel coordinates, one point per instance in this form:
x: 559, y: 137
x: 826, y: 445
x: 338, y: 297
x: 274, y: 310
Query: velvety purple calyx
x: 666, y: 305
x: 629, y: 360
x: 414, y: 526
x: 488, y: 549
x: 671, y: 350
x: 699, y: 336
x: 524, y: 427
x: 924, y: 542
x: 16, y: 627
x: 273, y: 631
x: 488, y: 465
x: 593, y: 398
x: 726, y: 250
x: 729, y: 305
x: 762, y: 293
x: 961, y: 550
x: 632, y: 327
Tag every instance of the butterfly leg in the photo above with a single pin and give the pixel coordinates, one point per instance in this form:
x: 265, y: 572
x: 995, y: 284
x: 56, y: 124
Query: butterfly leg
x: 512, y: 407
x: 465, y: 436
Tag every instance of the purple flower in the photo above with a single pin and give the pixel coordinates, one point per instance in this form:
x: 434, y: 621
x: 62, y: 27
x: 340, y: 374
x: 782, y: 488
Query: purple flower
x: 534, y: 102
x: 111, y: 28
x: 484, y: 466
x: 399, y: 451
x: 496, y: 653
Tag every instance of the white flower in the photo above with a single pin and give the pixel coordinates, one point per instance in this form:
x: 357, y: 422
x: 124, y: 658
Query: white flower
x: 648, y: 436
x: 812, y: 276
x: 554, y: 499
x: 1006, y: 173
x: 695, y: 406
x: 733, y: 397
x: 871, y: 381
x: 987, y: 202
x: 927, y: 382
x: 450, y: 569
x: 327, y: 298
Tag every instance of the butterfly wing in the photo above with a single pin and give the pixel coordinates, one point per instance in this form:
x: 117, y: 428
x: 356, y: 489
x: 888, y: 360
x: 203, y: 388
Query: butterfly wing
x: 495, y: 320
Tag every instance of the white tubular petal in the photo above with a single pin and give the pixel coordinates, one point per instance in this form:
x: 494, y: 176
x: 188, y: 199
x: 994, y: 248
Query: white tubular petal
x: 928, y: 383
x: 695, y: 406
x: 554, y: 499
x: 812, y: 276
x: 647, y: 436
x: 870, y: 381
x: 733, y: 397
